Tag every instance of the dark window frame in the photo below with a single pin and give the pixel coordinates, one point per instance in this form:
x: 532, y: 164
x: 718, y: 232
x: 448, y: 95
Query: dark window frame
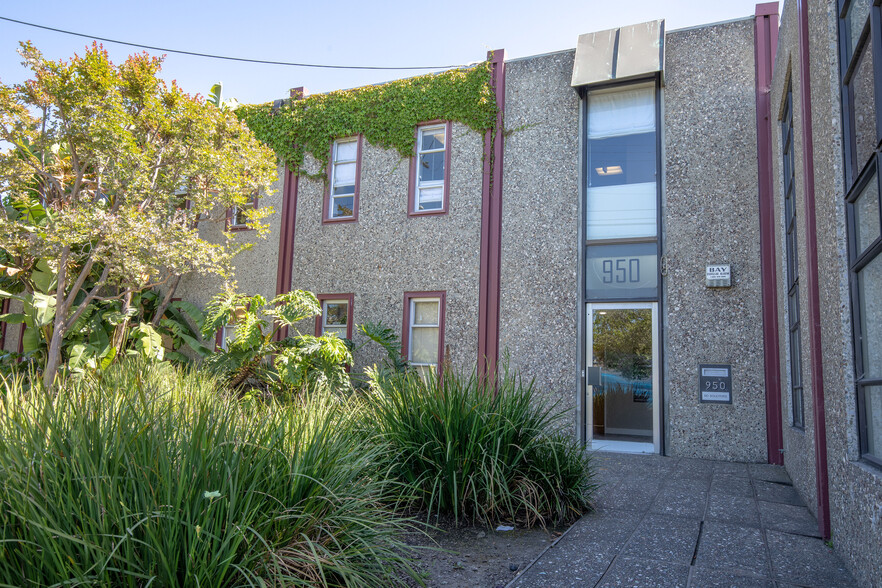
x: 327, y: 218
x: 858, y: 175
x: 791, y: 259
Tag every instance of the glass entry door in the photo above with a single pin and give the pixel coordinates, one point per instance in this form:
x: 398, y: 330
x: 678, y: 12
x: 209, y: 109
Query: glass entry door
x: 623, y: 411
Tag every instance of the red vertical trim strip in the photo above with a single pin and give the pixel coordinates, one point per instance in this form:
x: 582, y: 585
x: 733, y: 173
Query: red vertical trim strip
x: 765, y: 35
x: 491, y: 226
x: 814, y: 297
x: 286, y: 238
x: 4, y: 308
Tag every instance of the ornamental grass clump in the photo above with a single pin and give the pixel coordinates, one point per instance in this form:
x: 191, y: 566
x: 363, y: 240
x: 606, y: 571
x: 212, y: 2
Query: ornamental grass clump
x: 460, y: 448
x: 153, y: 476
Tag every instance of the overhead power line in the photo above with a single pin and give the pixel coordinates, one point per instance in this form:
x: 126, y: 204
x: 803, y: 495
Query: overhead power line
x: 225, y: 57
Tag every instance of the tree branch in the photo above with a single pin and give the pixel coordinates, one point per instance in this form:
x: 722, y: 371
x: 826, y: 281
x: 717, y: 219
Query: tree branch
x: 89, y: 298
x: 166, y: 300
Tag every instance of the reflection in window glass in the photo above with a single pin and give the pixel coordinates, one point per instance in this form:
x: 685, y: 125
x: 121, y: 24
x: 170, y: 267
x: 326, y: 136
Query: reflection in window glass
x: 873, y: 412
x: 425, y: 330
x: 855, y: 20
x: 869, y: 289
x: 622, y: 194
x: 431, y: 163
x: 866, y: 211
x: 864, y: 111
x: 343, y: 171
x: 239, y: 214
x: 335, y: 317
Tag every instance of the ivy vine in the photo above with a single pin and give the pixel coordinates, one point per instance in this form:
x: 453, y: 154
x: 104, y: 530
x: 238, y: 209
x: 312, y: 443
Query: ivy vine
x: 385, y: 114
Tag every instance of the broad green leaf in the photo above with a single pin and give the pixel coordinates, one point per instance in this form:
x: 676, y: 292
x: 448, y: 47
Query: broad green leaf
x: 31, y: 340
x: 13, y: 318
x: 44, y: 309
x: 43, y: 277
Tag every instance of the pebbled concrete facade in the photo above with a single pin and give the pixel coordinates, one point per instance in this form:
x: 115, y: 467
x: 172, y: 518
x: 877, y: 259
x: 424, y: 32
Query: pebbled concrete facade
x: 710, y: 216
x: 540, y: 293
x: 386, y: 253
x: 855, y: 488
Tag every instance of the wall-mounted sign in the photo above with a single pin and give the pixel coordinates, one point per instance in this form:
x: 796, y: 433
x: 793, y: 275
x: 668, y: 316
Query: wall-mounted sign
x: 715, y: 383
x: 718, y: 276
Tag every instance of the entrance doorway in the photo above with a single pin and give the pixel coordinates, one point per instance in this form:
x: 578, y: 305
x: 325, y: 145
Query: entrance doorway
x: 623, y: 411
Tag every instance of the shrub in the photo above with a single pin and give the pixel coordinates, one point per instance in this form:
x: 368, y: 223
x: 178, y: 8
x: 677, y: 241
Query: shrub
x: 459, y: 448
x: 153, y: 476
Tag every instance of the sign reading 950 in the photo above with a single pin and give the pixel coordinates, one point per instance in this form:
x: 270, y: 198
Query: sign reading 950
x: 621, y: 271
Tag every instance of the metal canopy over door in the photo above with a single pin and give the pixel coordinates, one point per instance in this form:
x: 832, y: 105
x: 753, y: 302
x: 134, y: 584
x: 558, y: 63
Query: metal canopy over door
x: 623, y: 409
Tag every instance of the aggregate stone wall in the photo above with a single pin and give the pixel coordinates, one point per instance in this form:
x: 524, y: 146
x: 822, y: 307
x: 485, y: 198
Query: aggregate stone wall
x: 255, y: 268
x: 539, y: 299
x: 13, y: 332
x: 710, y: 216
x: 799, y: 444
x: 855, y: 488
x: 387, y: 253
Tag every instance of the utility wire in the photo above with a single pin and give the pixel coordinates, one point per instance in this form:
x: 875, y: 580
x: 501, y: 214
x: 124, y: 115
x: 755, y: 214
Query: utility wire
x: 228, y: 58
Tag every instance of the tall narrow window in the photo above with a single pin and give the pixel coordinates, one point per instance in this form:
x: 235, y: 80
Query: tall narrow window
x: 424, y: 330
x: 791, y: 246
x: 341, y: 198
x: 430, y: 170
x: 860, y: 22
x: 621, y: 196
x: 336, y: 315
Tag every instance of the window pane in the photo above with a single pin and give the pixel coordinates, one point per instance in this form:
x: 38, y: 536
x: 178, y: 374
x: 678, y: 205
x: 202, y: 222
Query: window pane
x: 346, y: 151
x: 866, y: 212
x: 431, y: 198
x: 793, y: 306
x: 795, y: 358
x: 336, y: 313
x: 628, y: 159
x: 425, y: 313
x: 855, y: 19
x: 339, y: 331
x: 621, y: 112
x: 343, y: 190
x: 618, y: 212
x: 873, y: 416
x: 432, y: 139
x: 426, y: 371
x: 869, y: 288
x: 622, y: 271
x: 864, y: 108
x: 424, y: 345
x: 342, y: 206
x: 431, y: 167
x: 344, y: 173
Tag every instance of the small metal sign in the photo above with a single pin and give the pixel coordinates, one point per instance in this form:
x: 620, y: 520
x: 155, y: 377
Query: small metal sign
x: 715, y: 383
x: 718, y: 276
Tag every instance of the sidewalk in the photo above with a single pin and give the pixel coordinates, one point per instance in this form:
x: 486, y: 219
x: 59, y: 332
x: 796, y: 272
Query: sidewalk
x: 663, y: 521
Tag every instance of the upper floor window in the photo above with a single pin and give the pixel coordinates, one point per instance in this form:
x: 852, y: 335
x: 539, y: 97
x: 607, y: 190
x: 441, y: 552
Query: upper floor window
x: 344, y: 171
x: 860, y: 75
x: 237, y: 216
x: 791, y: 246
x: 430, y: 170
x: 336, y: 315
x: 424, y: 330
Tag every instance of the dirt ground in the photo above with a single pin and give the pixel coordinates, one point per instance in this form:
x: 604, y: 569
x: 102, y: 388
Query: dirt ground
x: 468, y: 556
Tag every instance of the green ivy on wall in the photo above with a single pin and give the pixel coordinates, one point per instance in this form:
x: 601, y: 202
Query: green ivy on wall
x: 385, y: 114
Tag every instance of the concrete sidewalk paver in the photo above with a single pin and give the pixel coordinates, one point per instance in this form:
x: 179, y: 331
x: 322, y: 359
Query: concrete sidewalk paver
x: 662, y: 521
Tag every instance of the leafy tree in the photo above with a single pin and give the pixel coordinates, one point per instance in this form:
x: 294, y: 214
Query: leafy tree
x: 109, y: 175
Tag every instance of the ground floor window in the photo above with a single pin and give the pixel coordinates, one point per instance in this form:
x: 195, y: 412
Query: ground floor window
x: 424, y: 330
x: 336, y: 315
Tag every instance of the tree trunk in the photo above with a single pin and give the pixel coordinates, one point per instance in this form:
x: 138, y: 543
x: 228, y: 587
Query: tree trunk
x: 53, y: 359
x: 166, y: 300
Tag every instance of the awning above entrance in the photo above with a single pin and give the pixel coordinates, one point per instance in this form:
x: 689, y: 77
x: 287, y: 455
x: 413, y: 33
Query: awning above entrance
x: 619, y: 54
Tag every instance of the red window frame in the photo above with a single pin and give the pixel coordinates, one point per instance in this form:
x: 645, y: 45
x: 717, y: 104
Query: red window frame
x: 442, y: 323
x: 230, y: 226
x: 322, y: 298
x: 412, y: 181
x: 326, y: 202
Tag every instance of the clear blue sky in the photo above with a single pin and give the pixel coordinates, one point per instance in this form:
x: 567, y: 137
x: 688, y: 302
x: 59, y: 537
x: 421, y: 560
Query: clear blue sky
x: 372, y: 32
